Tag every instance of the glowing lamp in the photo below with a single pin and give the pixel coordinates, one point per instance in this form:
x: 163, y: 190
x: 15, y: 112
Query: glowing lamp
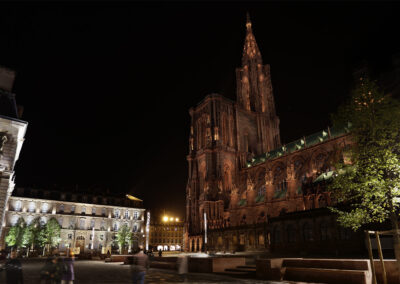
x: 176, y: 219
x: 171, y: 219
x: 165, y: 218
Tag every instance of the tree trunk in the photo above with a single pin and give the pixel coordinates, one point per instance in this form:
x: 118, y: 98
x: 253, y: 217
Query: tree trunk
x: 396, y: 239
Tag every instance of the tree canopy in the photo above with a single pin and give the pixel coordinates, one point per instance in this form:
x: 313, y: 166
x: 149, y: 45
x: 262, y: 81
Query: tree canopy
x: 368, y: 178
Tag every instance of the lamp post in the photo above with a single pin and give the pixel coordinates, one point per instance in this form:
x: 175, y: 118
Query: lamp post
x: 147, y: 230
x: 205, y: 232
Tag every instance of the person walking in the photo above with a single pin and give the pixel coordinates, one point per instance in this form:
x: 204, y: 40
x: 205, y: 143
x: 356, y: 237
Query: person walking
x: 183, y: 267
x: 139, y: 267
x: 160, y: 253
x: 68, y: 276
x: 13, y: 270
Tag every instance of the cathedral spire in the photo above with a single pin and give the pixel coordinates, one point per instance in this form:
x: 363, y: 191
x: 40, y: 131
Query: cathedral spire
x: 251, y: 52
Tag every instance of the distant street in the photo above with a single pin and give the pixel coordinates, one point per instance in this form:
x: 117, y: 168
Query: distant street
x: 100, y: 272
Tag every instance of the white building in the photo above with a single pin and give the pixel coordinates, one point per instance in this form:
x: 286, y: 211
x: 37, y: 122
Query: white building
x: 89, y: 222
x: 12, y: 132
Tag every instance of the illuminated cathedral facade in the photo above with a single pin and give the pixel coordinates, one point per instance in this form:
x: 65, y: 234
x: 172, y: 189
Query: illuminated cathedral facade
x: 253, y: 192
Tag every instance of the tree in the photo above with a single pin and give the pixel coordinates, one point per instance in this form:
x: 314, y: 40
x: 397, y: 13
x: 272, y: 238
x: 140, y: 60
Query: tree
x: 49, y: 235
x: 370, y: 184
x: 31, y: 235
x: 123, y: 237
x: 14, y: 237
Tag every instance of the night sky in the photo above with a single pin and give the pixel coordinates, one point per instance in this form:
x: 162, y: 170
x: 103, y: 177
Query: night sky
x: 106, y: 89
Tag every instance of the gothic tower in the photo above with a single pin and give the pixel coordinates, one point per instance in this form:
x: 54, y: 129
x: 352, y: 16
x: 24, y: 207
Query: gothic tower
x: 254, y: 93
x: 223, y: 136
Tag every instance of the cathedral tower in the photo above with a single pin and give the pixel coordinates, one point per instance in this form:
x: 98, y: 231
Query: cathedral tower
x: 254, y: 92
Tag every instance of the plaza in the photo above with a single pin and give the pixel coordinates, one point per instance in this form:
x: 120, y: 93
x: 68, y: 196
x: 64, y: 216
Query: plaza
x: 99, y: 272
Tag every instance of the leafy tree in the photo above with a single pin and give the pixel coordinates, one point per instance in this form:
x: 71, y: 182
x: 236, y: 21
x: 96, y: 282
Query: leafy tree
x: 368, y: 179
x: 14, y: 237
x: 31, y: 235
x: 123, y: 237
x: 49, y: 235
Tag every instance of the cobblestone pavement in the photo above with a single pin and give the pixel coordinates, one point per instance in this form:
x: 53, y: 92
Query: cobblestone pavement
x: 99, y: 272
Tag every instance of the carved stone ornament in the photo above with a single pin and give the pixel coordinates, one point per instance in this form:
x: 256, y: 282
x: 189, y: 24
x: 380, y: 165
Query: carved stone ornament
x: 250, y: 183
x: 3, y: 140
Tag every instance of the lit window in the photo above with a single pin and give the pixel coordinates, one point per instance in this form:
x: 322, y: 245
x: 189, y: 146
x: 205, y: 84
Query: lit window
x: 135, y: 215
x: 93, y: 210
x: 126, y: 214
x: 31, y: 207
x: 116, y: 213
x: 18, y: 205
x: 45, y: 207
x: 82, y: 224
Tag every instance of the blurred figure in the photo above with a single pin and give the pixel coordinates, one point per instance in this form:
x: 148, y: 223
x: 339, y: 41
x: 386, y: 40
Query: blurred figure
x: 139, y: 267
x: 13, y: 270
x: 68, y: 276
x: 183, y: 267
x: 46, y: 271
x: 160, y: 253
x: 56, y: 271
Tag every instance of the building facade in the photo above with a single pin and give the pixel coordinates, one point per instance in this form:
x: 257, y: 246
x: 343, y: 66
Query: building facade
x: 12, y: 132
x: 254, y: 192
x: 166, y: 234
x: 89, y: 222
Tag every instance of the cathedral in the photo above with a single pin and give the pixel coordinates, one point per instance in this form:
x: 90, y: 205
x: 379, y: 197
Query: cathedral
x: 248, y: 192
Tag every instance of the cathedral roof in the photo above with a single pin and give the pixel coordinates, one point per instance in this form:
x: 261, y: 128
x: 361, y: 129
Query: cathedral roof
x: 311, y: 140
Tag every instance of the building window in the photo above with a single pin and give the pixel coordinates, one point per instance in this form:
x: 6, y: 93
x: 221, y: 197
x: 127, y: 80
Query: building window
x: 115, y: 227
x: 83, y: 210
x: 73, y: 209
x: 101, y: 237
x: 60, y: 221
x: 42, y: 221
x: 45, y: 207
x: 135, y: 215
x: 69, y: 236
x: 135, y: 228
x: 92, y: 223
x: 126, y: 214
x: 116, y: 213
x: 103, y: 211
x: 103, y: 225
x: 290, y: 234
x: 31, y: 207
x: 72, y: 223
x: 93, y: 210
x: 82, y: 224
x: 61, y: 208
x: 307, y: 232
x: 324, y: 231
x: 18, y: 205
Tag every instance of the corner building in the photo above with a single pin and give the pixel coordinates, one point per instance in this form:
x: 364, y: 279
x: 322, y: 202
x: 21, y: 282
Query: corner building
x: 256, y: 193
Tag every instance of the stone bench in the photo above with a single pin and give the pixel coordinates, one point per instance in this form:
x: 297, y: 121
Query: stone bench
x: 324, y: 275
x: 345, y: 264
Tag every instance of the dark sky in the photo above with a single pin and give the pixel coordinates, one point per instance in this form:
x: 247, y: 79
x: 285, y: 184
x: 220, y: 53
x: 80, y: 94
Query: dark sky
x: 106, y: 89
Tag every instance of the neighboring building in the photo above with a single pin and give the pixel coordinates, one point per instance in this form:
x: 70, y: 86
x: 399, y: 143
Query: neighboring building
x: 89, y: 221
x: 256, y: 193
x: 12, y: 132
x: 166, y: 234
